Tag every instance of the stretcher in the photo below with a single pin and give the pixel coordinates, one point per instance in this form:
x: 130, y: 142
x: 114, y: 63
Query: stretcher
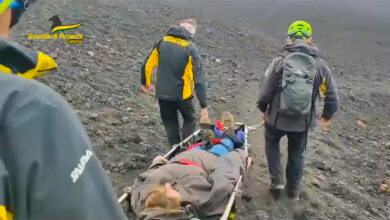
x: 230, y: 209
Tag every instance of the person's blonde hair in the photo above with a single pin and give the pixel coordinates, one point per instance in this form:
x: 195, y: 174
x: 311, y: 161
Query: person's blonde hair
x: 189, y: 21
x: 157, y: 198
x: 189, y: 25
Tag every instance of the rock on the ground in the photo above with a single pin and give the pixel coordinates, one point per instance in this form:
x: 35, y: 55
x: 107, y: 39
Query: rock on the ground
x: 361, y: 124
x: 91, y: 53
x: 261, y: 215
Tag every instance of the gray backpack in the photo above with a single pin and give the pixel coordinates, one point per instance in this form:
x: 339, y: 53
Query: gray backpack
x: 297, y: 84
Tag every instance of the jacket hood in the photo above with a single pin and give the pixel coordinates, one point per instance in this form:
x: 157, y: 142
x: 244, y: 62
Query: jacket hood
x: 179, y: 32
x: 303, y: 48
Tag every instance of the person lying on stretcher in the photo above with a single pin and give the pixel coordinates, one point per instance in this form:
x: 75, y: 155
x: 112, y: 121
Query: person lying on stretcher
x: 194, y: 183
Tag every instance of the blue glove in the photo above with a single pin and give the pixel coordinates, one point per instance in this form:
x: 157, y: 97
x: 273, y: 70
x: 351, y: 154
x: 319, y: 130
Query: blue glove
x: 240, y: 136
x: 217, y: 132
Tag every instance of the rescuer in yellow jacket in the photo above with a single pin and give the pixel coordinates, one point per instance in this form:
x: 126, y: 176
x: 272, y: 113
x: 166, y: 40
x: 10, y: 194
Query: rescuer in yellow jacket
x: 179, y: 73
x: 16, y: 59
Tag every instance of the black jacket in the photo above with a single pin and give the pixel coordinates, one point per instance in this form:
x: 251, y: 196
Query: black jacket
x: 269, y: 97
x: 47, y: 167
x: 179, y: 70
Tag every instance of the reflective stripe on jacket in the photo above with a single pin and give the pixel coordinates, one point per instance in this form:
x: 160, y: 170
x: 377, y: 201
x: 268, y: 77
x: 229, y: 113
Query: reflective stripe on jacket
x: 18, y: 60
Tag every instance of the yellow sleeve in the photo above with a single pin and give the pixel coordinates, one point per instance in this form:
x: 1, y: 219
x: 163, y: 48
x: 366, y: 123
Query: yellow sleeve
x: 323, y: 88
x: 5, y: 69
x: 44, y: 64
x: 151, y: 63
x: 4, y: 214
x: 188, y: 79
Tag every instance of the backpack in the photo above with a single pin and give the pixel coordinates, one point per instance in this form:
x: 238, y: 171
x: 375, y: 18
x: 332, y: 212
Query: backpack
x: 297, y: 84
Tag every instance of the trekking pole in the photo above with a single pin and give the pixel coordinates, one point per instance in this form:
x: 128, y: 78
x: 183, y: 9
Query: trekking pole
x: 127, y: 191
x: 229, y: 206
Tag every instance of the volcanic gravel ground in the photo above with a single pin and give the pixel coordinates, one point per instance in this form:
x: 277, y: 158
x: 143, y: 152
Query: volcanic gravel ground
x: 100, y: 79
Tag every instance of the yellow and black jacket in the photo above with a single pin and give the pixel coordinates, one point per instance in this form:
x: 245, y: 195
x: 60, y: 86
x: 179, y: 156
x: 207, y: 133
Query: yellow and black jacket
x: 18, y: 60
x: 48, y: 169
x: 179, y: 70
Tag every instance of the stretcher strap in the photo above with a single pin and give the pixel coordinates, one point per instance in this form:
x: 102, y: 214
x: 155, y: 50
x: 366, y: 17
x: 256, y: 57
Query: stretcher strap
x: 219, y: 125
x: 193, y: 146
x: 188, y: 162
x: 217, y: 141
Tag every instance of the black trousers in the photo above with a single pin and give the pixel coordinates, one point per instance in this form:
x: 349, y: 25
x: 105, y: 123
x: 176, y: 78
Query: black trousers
x: 169, y: 115
x: 296, y: 148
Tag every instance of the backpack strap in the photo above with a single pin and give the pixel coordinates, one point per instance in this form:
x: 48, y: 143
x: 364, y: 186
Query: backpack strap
x: 278, y: 82
x: 279, y: 75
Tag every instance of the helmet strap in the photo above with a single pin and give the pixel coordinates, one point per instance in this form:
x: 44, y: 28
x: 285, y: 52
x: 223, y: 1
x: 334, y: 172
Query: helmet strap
x: 16, y: 14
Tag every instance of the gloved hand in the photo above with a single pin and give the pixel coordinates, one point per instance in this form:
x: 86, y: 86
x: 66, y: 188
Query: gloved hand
x: 218, y: 133
x: 240, y: 136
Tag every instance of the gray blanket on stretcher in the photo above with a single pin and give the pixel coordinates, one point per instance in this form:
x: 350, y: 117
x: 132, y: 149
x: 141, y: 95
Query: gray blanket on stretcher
x: 205, y: 187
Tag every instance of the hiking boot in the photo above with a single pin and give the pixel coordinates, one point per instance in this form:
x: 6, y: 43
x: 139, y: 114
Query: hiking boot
x: 228, y: 121
x: 207, y: 132
x: 276, y: 191
x: 205, y: 120
x: 293, y: 195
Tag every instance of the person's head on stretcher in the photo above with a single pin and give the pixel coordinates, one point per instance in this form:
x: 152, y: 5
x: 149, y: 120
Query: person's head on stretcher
x: 164, y: 196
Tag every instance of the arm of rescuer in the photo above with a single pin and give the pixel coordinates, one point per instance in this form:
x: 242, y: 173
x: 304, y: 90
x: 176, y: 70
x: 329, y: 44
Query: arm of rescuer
x: 149, y: 64
x: 22, y: 61
x: 199, y: 79
x: 267, y: 88
x: 329, y: 89
x: 52, y: 169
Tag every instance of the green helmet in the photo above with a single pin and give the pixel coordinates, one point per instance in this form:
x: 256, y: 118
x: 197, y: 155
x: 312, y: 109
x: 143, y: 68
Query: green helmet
x: 299, y: 29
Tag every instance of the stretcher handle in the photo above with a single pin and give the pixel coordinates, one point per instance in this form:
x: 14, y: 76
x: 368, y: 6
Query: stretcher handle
x: 229, y: 206
x: 232, y: 199
x: 127, y: 193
